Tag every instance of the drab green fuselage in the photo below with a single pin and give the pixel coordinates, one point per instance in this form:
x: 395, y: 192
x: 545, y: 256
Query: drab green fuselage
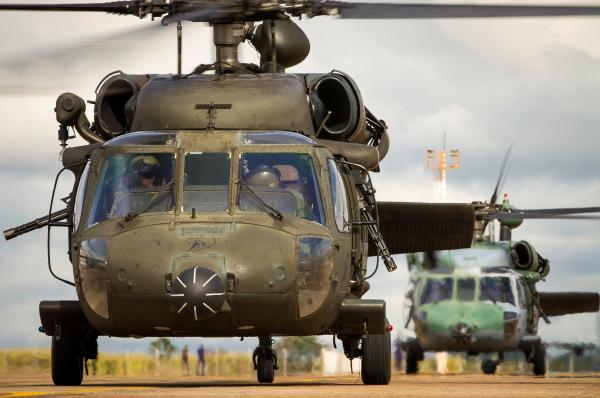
x: 473, y: 301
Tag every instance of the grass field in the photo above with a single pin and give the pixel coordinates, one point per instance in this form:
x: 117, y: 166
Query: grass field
x: 14, y: 361
x: 218, y: 363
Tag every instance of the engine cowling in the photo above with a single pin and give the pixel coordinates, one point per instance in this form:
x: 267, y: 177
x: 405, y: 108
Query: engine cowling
x: 337, y: 107
x: 526, y: 258
x: 115, y: 103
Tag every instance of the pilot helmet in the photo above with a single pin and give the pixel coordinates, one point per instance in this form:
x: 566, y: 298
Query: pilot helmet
x: 288, y: 173
x: 144, y: 166
x: 264, y: 176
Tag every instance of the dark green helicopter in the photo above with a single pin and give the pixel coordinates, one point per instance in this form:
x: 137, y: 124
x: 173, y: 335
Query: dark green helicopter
x: 235, y: 200
x: 484, y: 299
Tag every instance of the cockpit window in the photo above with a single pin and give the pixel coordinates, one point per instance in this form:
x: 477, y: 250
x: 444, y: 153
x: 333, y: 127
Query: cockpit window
x: 338, y: 196
x: 276, y: 137
x: 143, y: 138
x: 436, y: 290
x: 206, y: 182
x: 128, y: 182
x: 465, y: 289
x: 284, y: 181
x: 79, y: 197
x: 496, y: 289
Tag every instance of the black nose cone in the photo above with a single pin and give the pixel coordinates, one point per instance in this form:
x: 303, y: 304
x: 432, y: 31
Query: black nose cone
x: 198, y: 293
x: 462, y: 332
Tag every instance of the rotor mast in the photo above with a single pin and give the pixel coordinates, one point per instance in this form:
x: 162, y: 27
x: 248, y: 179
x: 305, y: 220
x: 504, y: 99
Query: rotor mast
x: 227, y: 38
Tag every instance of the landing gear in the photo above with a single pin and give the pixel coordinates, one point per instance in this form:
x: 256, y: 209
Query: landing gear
x: 489, y: 366
x: 264, y: 359
x: 414, y: 354
x: 67, y: 361
x: 539, y: 361
x: 376, y: 362
x: 535, y: 353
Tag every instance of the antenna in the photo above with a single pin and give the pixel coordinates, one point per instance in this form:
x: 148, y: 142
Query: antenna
x: 179, y: 39
x: 438, y: 162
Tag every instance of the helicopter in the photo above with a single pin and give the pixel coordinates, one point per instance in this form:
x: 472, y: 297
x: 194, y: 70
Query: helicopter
x: 484, y: 299
x: 237, y: 203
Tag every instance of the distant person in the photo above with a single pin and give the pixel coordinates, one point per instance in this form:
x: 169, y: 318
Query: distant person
x: 185, y: 360
x: 398, y: 355
x: 94, y: 366
x: 201, y: 363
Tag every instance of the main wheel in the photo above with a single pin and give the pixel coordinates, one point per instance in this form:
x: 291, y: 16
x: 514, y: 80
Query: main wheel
x: 539, y: 361
x: 67, y: 361
x: 376, y: 361
x: 488, y: 367
x: 265, y: 369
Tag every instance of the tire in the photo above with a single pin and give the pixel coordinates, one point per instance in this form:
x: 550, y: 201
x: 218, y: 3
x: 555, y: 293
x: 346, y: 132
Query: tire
x: 488, y: 367
x: 265, y: 372
x: 67, y: 361
x: 412, y: 361
x: 539, y: 361
x: 376, y: 361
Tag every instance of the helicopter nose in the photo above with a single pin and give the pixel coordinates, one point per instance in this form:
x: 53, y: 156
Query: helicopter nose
x: 462, y: 332
x: 197, y: 293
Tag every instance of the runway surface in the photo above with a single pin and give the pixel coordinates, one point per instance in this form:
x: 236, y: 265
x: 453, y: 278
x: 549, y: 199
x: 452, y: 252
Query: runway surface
x: 554, y: 385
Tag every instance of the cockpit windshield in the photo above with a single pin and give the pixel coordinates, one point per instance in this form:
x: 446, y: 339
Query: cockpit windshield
x: 284, y: 181
x: 465, y: 289
x: 206, y: 182
x: 128, y: 183
x: 436, y: 290
x: 496, y: 289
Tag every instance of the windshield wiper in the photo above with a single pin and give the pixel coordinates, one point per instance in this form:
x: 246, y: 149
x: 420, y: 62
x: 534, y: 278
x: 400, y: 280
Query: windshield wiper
x: 259, y: 202
x: 159, y: 196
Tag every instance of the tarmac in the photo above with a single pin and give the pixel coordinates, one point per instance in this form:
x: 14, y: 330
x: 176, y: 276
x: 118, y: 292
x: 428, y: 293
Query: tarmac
x: 469, y: 385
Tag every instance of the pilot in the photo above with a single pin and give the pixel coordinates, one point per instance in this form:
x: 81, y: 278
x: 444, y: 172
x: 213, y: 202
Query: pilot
x: 143, y: 172
x: 290, y: 180
x: 271, y: 177
x: 265, y: 176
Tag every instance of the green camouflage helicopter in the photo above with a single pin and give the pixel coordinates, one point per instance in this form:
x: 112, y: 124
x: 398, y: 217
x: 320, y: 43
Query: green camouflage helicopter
x: 484, y: 299
x: 235, y: 200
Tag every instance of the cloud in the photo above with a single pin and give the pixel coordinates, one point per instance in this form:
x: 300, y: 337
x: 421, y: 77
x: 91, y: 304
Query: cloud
x: 486, y: 83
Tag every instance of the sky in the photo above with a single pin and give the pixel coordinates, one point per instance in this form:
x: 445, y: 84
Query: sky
x: 486, y: 83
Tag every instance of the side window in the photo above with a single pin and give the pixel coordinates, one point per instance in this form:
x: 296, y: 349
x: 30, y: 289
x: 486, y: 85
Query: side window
x: 206, y: 182
x: 80, y: 196
x: 521, y: 292
x: 339, y: 198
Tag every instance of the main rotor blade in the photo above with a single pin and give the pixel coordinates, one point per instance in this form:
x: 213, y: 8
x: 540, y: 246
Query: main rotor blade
x: 502, y: 176
x: 499, y: 183
x: 428, y: 11
x: 563, y: 213
x: 48, y: 70
x: 112, y: 7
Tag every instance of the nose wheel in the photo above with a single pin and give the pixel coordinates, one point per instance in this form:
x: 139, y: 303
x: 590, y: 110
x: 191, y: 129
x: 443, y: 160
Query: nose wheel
x: 414, y: 354
x: 264, y: 359
x: 489, y: 366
